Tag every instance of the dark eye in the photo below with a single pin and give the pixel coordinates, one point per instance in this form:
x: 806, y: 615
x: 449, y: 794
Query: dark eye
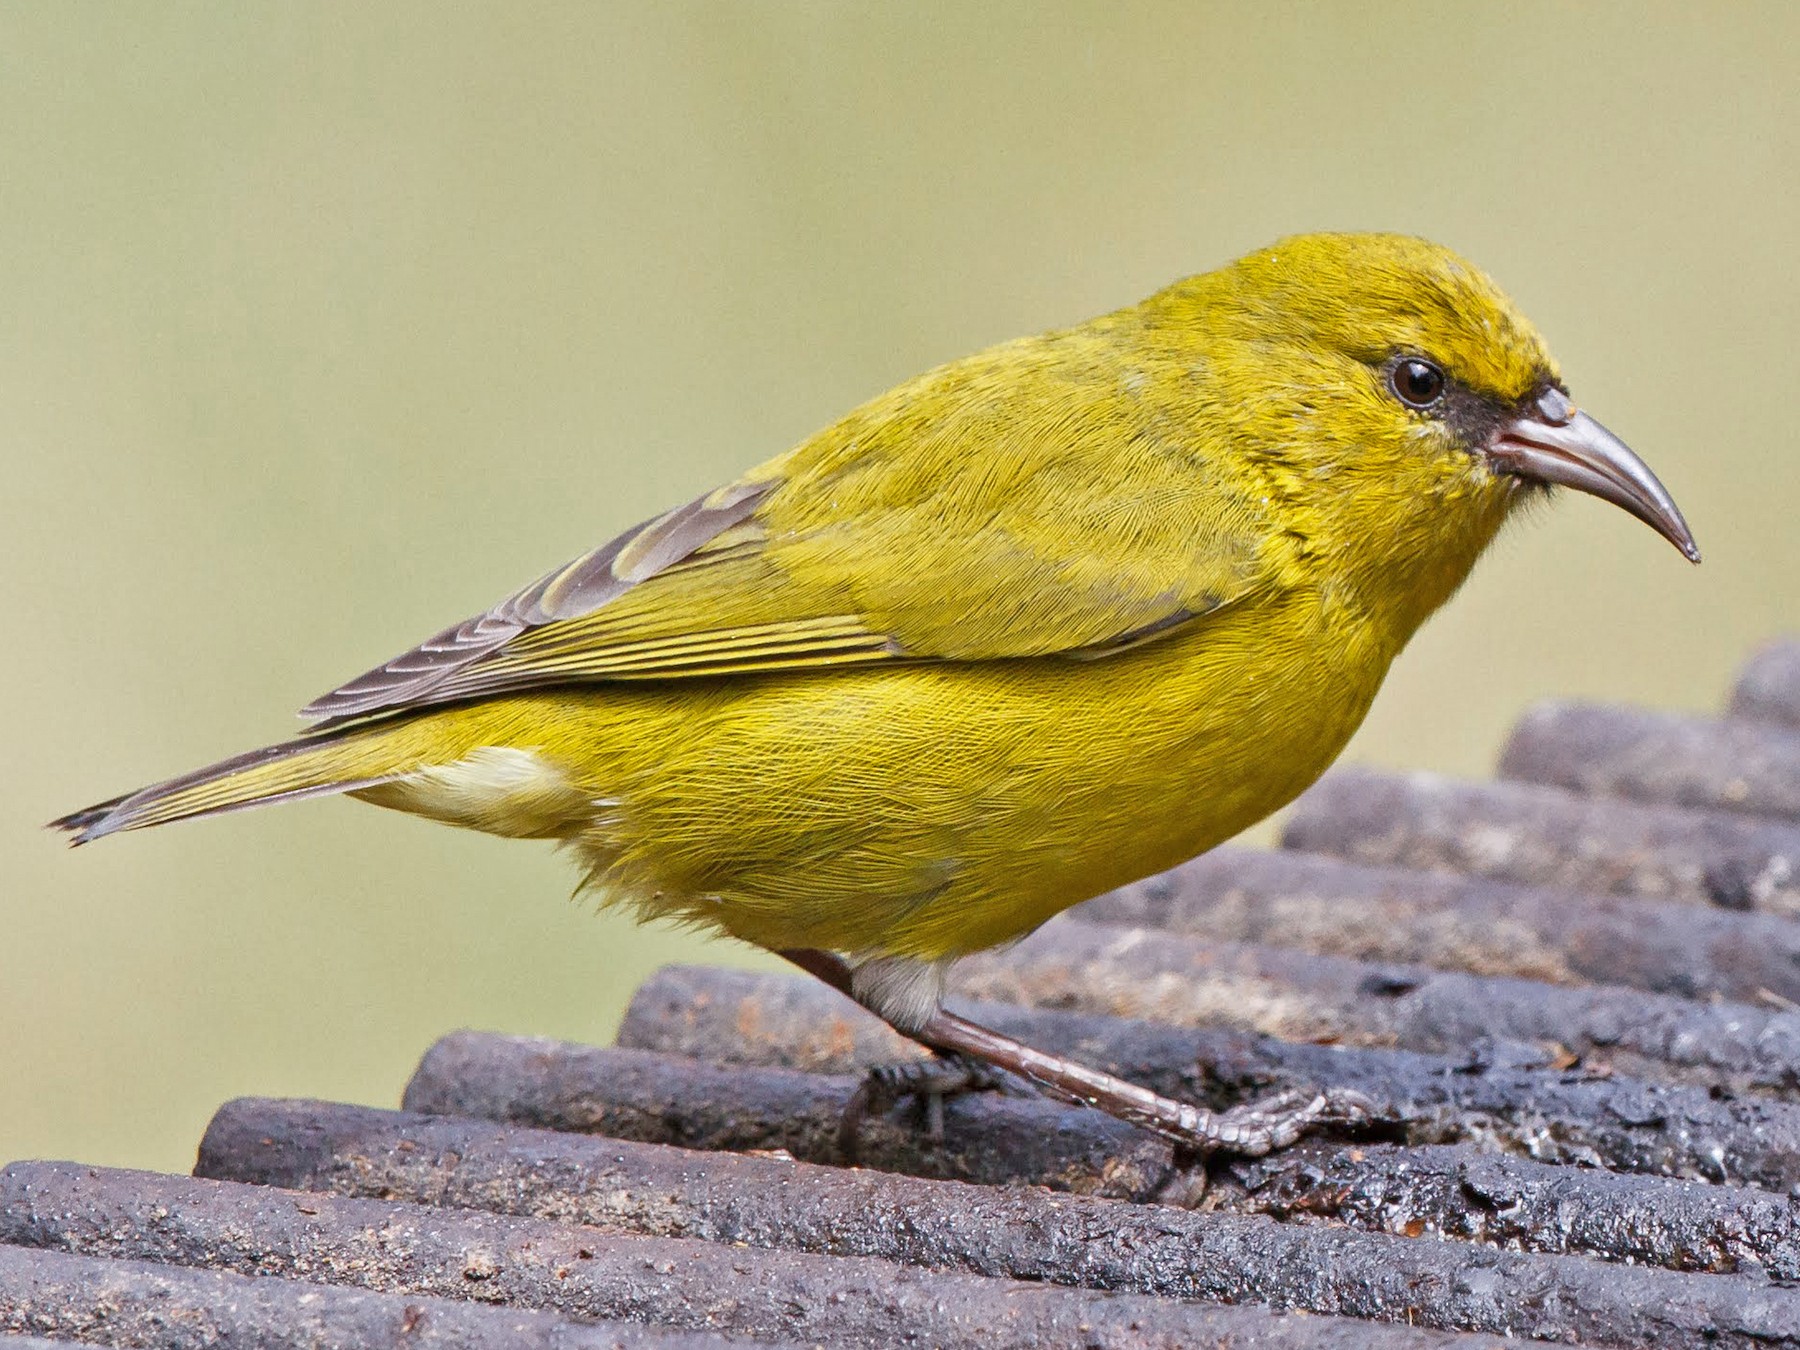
x: 1417, y: 383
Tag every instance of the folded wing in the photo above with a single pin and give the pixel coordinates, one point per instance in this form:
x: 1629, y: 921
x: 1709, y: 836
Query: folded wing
x: 937, y: 523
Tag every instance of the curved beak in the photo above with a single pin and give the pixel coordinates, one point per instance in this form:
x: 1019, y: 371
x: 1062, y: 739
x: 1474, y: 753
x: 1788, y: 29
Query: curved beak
x: 1553, y: 443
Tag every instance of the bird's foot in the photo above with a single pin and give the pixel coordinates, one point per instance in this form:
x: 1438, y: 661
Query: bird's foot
x: 928, y: 1081
x: 1258, y: 1128
x: 970, y: 1056
x: 1252, y: 1130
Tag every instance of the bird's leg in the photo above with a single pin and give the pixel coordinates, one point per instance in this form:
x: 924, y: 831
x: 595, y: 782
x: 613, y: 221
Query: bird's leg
x: 1248, y: 1131
x: 947, y: 1073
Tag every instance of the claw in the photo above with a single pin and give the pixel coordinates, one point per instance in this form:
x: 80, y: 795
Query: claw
x: 929, y: 1080
x: 1253, y: 1130
x: 1260, y: 1128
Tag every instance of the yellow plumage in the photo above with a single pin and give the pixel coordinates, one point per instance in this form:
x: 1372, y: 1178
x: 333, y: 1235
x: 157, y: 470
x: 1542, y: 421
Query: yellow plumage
x: 1044, y: 620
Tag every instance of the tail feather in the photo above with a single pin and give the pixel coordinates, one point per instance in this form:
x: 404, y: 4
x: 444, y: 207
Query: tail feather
x: 88, y: 815
x: 310, y: 767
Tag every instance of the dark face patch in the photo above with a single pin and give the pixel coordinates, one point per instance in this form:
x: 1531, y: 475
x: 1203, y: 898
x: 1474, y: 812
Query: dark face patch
x: 1473, y: 417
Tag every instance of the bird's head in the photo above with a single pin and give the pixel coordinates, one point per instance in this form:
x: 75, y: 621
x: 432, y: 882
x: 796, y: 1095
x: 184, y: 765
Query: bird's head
x: 1397, y: 400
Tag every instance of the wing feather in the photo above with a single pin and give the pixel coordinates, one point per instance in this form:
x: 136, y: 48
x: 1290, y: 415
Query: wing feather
x: 940, y: 522
x: 575, y: 589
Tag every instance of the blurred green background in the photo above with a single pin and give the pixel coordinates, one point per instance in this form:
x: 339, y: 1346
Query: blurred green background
x: 324, y: 326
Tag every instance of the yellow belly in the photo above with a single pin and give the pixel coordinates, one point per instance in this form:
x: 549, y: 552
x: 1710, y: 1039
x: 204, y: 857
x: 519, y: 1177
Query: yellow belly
x: 934, y: 809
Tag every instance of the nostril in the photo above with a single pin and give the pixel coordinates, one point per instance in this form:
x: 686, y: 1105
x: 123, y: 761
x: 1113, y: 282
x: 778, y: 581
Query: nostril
x: 1555, y: 407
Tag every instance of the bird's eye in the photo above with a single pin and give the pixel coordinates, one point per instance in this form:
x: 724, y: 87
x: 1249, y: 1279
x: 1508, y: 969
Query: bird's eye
x: 1417, y: 383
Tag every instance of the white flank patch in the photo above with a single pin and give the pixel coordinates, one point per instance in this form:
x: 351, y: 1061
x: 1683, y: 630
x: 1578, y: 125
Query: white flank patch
x: 497, y: 788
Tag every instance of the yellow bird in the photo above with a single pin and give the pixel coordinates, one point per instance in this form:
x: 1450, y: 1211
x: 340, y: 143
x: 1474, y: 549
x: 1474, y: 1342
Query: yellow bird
x: 1035, y: 624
